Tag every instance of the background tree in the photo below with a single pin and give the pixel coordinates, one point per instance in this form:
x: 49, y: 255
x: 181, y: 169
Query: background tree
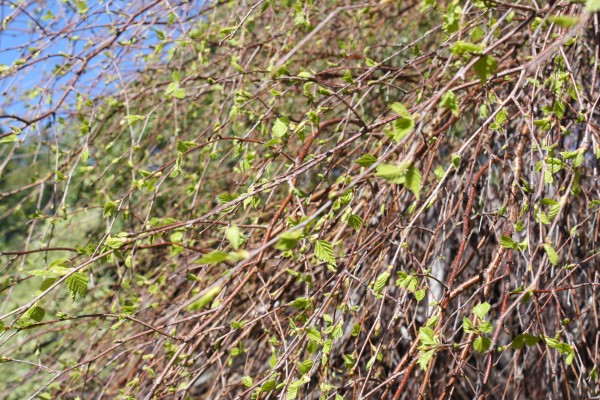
x: 299, y: 199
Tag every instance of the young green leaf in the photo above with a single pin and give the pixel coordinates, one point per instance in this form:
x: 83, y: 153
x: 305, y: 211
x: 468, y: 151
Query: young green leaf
x: 485, y: 67
x: 184, y: 145
x: 324, y: 252
x: 280, y: 128
x: 77, y: 284
x: 301, y: 303
x: 404, y: 124
x: 205, y: 299
x: 366, y: 160
x: 593, y: 5
x: 214, y: 257
x: 237, y: 67
x: 305, y: 366
x: 110, y: 208
x: 449, y: 102
x: 269, y: 386
x: 563, y: 20
x: 424, y: 358
x: 410, y: 282
x: 173, y: 90
x: 420, y: 294
x: 234, y: 236
x: 371, y: 362
x: 247, y: 381
x: 468, y: 325
x: 485, y: 327
x: 524, y: 339
x: 482, y: 344
x: 355, y: 222
x: 314, y: 335
x: 347, y: 77
x: 455, y: 159
x: 432, y: 321
x: 288, y: 240
x: 393, y: 173
x: 381, y: 282
x: 337, y: 332
x: 349, y: 361
x: 562, y: 348
x: 452, y: 17
x: 551, y: 253
x: 414, y: 181
x: 481, y: 310
x: 36, y: 313
x: 9, y: 138
x: 427, y: 337
x: 508, y: 243
x: 46, y: 283
x: 461, y: 47
x: 129, y: 120
x: 115, y: 242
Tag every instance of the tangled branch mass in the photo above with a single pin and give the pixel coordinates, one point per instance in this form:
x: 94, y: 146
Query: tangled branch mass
x: 299, y: 199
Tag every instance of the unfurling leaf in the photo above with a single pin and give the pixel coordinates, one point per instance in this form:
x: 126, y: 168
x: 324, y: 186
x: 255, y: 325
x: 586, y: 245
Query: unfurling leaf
x: 77, y: 284
x: 551, y: 253
x: 234, y: 236
x: 280, y: 128
x: 247, y: 381
x: 381, y: 282
x: 324, y: 252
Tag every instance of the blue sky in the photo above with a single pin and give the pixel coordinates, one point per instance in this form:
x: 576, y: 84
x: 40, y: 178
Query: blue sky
x: 40, y: 26
x: 16, y: 41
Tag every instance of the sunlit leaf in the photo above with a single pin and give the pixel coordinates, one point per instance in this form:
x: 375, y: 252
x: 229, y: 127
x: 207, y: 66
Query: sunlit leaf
x: 324, y: 251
